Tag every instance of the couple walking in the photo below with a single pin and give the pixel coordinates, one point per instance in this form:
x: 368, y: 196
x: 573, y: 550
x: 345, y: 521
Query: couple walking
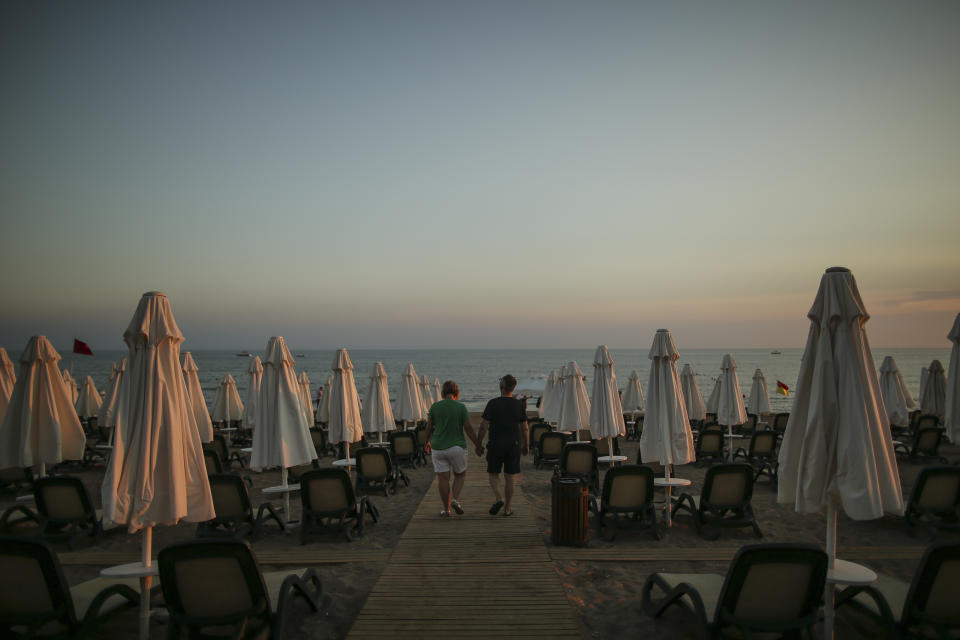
x: 448, y: 421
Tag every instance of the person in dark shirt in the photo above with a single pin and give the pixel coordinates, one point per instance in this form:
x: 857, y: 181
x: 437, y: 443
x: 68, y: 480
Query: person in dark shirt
x: 506, y: 420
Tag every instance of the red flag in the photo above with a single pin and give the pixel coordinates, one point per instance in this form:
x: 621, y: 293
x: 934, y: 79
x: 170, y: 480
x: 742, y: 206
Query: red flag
x: 783, y: 389
x: 81, y: 347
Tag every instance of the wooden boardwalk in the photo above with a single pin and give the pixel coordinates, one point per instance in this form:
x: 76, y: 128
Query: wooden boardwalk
x: 469, y: 576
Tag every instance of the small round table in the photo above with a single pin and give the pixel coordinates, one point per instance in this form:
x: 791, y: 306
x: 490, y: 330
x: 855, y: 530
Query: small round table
x: 345, y: 462
x: 669, y: 484
x: 612, y: 459
x: 851, y: 573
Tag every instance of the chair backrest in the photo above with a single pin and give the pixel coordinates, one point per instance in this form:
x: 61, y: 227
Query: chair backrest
x: 763, y: 444
x: 584, y: 435
x: 750, y: 425
x: 774, y: 586
x: 327, y: 491
x: 230, y: 497
x: 578, y: 458
x: 927, y: 440
x: 937, y: 489
x: 627, y: 487
x: 537, y: 430
x: 34, y: 588
x: 710, y: 442
x: 319, y: 438
x: 638, y: 424
x: 403, y: 444
x: 219, y: 443
x: 212, y: 460
x: 932, y: 597
x: 551, y: 444
x: 709, y: 418
x: 926, y: 421
x: 373, y: 463
x: 421, y: 435
x: 780, y: 421
x: 656, y: 467
x: 212, y: 582
x: 914, y: 415
x: 63, y: 498
x: 729, y: 484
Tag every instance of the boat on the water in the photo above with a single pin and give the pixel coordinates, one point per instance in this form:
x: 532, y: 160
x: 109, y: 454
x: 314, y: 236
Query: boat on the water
x: 244, y: 353
x: 300, y: 355
x: 774, y: 353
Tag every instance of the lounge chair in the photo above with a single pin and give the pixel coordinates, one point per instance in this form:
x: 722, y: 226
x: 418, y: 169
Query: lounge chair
x: 217, y: 586
x: 404, y: 449
x: 761, y: 454
x: 535, y: 432
x: 779, y: 425
x: 925, y: 445
x: 773, y: 588
x: 637, y: 429
x: 64, y: 510
x: 927, y: 607
x: 212, y: 461
x: 327, y: 495
x: 35, y: 600
x: 233, y: 509
x: 579, y: 459
x: 725, y: 501
x: 627, y: 498
x: 709, y: 447
x: 16, y: 478
x: 219, y: 444
x: 935, y: 499
x: 320, y: 443
x: 708, y: 419
x: 421, y: 433
x: 748, y: 427
x: 549, y: 448
x: 375, y: 472
x: 583, y: 435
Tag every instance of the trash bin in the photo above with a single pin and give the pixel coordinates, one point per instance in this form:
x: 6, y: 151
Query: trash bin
x: 570, y: 498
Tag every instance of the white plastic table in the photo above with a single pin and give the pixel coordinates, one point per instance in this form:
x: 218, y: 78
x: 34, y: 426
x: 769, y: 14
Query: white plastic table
x: 612, y: 459
x: 130, y: 570
x: 850, y: 573
x: 345, y: 462
x: 669, y: 484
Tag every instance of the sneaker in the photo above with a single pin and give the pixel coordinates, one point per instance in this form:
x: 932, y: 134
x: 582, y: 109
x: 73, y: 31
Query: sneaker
x: 444, y: 513
x: 456, y: 507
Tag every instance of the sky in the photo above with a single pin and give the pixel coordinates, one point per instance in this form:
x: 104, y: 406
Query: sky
x: 477, y: 174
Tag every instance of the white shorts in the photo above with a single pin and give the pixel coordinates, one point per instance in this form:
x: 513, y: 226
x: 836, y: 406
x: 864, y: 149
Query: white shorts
x: 453, y: 458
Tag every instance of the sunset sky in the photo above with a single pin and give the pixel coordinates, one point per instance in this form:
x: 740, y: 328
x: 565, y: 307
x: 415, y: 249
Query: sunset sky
x: 478, y: 174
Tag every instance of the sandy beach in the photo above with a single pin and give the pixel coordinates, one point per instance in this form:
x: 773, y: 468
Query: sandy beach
x: 603, y: 581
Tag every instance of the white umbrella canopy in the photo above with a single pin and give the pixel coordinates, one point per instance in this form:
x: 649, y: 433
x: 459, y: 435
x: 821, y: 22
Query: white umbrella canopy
x: 934, y: 396
x: 837, y: 449
x: 227, y: 405
x: 951, y: 418
x: 574, y: 403
x: 666, y: 436
x: 693, y: 400
x: 923, y: 383
x: 71, y: 386
x: 713, y: 402
x: 107, y: 416
x: 759, y: 396
x: 156, y: 475
x: 88, y: 402
x: 345, y: 423
x: 254, y: 377
x: 306, y: 397
x: 894, y: 398
x: 195, y: 399
x: 8, y: 377
x: 40, y: 426
x: 409, y: 406
x: 730, y: 409
x: 606, y: 412
x: 282, y: 436
x: 323, y: 413
x: 633, y: 394
x: 426, y: 397
x: 548, y: 400
x: 377, y: 415
x: 436, y: 390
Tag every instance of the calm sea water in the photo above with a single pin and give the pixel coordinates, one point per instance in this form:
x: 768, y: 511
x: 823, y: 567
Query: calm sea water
x: 477, y: 370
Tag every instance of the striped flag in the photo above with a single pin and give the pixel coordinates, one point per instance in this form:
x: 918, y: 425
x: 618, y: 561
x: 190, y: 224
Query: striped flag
x: 783, y: 389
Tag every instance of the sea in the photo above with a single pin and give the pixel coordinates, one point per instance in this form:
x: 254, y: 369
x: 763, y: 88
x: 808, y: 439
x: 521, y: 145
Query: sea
x: 477, y: 371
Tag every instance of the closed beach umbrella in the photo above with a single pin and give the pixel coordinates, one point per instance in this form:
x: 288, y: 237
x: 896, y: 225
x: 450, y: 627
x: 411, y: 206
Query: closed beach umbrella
x: 282, y: 436
x: 409, y: 405
x: 227, y: 405
x: 759, y: 396
x: 894, y: 399
x: 156, y: 475
x: 574, y: 403
x: 934, y: 396
x: 195, y: 399
x: 40, y: 426
x: 713, y: 402
x: 606, y: 412
x: 633, y: 394
x: 345, y: 423
x: 837, y: 450
x: 923, y: 383
x: 666, y: 436
x: 254, y: 376
x: 306, y: 397
x: 107, y: 416
x: 71, y: 386
x: 693, y: 400
x: 88, y: 403
x: 8, y: 378
x: 437, y: 390
x: 951, y: 418
x: 548, y: 400
x: 324, y: 410
x: 426, y: 396
x: 377, y: 416
x: 730, y: 408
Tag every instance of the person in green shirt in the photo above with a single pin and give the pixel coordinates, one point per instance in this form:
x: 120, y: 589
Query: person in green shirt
x: 447, y: 421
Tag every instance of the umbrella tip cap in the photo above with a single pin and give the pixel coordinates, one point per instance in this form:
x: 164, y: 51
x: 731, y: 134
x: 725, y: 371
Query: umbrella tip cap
x: 838, y: 270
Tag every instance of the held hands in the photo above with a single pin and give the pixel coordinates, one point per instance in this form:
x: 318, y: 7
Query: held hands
x: 480, y: 450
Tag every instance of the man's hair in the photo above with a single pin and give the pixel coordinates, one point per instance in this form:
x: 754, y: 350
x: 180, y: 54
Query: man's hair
x: 508, y: 383
x: 449, y: 389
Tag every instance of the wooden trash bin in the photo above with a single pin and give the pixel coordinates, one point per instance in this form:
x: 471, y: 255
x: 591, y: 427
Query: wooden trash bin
x: 569, y: 510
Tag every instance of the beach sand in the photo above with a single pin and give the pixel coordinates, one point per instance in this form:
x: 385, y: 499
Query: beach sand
x: 603, y: 581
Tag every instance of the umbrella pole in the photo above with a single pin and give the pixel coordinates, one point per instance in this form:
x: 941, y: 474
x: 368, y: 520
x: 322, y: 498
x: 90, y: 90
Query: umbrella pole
x: 347, y: 450
x: 286, y: 494
x: 610, y: 450
x: 730, y: 442
x: 145, y: 582
x: 828, y: 610
x: 669, y: 513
